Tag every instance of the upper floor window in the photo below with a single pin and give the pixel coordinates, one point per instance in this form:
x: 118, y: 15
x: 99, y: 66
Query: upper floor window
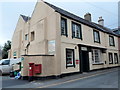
x: 63, y: 26
x: 116, y: 58
x: 111, y: 41
x: 26, y: 37
x: 96, y: 56
x: 76, y: 30
x: 96, y: 36
x: 110, y: 58
x: 32, y: 36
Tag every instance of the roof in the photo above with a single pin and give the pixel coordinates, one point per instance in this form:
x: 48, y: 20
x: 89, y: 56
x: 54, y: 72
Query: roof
x: 117, y: 31
x: 25, y: 18
x: 81, y: 20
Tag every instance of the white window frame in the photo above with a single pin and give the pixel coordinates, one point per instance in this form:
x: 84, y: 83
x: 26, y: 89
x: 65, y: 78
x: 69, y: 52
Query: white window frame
x: 76, y: 30
x: 94, y: 61
x: 115, y: 58
x: 111, y: 41
x: 63, y: 26
x: 110, y: 58
x: 70, y: 57
x: 26, y: 36
x: 96, y: 36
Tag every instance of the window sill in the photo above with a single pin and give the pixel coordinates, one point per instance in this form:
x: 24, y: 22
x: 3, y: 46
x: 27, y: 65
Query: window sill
x: 64, y: 35
x: 77, y: 38
x: 97, y: 42
x: 70, y: 66
x: 101, y: 63
x: 112, y: 45
x: 110, y: 63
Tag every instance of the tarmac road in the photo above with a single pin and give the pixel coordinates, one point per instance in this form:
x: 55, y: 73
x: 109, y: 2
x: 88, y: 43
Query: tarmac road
x: 97, y: 79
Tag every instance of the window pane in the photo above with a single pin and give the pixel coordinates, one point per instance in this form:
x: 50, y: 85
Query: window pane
x: 96, y: 36
x: 96, y: 56
x: 116, y: 58
x: 32, y: 36
x: 111, y: 40
x: 63, y: 26
x: 76, y: 30
x: 69, y: 57
x: 110, y: 58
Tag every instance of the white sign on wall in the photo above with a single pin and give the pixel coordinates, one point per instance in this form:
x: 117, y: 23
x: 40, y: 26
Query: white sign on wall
x: 51, y: 47
x: 84, y: 48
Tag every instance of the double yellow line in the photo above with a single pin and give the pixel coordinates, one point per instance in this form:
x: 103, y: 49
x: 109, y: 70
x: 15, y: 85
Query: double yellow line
x: 75, y: 79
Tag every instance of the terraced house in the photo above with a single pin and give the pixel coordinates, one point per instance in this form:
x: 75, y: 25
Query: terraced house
x: 63, y: 42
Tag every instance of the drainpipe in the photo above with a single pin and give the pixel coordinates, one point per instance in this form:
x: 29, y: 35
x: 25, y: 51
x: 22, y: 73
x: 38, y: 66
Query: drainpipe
x: 28, y: 35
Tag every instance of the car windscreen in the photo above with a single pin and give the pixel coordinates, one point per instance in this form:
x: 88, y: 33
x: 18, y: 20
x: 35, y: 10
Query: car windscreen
x: 6, y: 62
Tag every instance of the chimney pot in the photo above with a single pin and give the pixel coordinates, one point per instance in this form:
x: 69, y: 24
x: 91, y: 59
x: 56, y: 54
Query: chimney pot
x: 87, y: 16
x: 101, y: 21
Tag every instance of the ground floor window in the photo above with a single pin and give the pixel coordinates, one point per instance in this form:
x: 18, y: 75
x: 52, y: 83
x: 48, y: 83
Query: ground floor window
x: 96, y: 56
x: 110, y: 58
x: 116, y: 58
x: 69, y: 57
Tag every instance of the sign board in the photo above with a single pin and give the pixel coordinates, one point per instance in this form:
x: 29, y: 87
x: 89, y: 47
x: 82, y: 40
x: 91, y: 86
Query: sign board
x: 51, y: 47
x: 84, y: 48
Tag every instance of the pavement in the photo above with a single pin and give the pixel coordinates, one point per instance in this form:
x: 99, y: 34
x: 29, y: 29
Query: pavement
x: 107, y: 78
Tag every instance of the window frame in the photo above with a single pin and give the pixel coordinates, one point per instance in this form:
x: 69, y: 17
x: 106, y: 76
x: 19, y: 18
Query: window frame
x: 98, y: 36
x: 99, y: 57
x: 80, y: 28
x: 32, y: 39
x: 73, y: 65
x: 26, y: 37
x: 115, y: 54
x: 109, y: 57
x: 113, y: 40
x: 65, y: 34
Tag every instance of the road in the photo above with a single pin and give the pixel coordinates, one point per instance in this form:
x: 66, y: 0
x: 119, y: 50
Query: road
x: 97, y: 79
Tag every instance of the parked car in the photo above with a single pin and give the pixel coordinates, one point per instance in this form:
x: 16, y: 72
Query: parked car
x: 6, y: 65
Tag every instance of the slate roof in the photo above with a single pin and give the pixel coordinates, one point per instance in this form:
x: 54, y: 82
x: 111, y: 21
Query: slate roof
x: 25, y: 18
x: 117, y: 31
x: 81, y: 20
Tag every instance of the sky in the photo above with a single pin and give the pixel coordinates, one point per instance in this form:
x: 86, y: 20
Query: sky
x: 10, y: 11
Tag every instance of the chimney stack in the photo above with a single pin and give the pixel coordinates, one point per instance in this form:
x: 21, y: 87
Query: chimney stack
x: 101, y: 21
x: 87, y: 16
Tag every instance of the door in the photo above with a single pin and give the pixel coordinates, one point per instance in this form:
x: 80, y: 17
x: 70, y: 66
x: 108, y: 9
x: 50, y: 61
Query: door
x: 84, y: 61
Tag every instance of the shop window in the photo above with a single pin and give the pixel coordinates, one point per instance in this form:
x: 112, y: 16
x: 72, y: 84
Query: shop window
x: 63, y: 26
x: 32, y: 36
x: 110, y: 58
x: 96, y: 36
x: 69, y: 57
x: 76, y: 31
x: 111, y: 41
x: 96, y: 56
x: 116, y: 58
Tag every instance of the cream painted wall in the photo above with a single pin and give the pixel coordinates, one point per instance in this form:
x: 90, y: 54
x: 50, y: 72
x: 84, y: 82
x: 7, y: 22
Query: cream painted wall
x: 87, y: 39
x: 45, y: 22
x: 63, y: 58
x: 17, y: 38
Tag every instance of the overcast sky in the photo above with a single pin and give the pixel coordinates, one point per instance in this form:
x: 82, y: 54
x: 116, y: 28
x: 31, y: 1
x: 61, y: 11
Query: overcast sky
x: 10, y: 12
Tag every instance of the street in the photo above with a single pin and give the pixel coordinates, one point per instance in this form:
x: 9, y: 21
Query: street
x: 96, y: 79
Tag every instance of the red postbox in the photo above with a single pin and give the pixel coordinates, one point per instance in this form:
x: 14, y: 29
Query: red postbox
x: 38, y: 69
x: 31, y: 69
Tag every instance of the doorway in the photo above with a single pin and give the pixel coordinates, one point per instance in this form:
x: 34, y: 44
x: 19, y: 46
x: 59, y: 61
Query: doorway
x: 84, y: 65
